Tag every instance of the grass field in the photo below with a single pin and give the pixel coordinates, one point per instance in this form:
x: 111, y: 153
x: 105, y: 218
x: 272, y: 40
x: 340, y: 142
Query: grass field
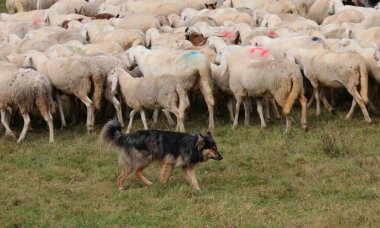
x: 329, y: 176
x: 2, y: 6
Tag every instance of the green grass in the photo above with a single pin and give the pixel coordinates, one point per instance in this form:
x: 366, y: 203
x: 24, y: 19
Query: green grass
x: 265, y: 179
x: 2, y: 6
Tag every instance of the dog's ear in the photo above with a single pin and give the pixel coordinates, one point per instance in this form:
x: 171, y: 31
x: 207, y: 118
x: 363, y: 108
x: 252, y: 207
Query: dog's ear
x: 208, y: 134
x: 200, y: 142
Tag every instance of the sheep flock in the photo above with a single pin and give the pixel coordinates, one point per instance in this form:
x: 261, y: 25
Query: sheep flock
x: 140, y: 55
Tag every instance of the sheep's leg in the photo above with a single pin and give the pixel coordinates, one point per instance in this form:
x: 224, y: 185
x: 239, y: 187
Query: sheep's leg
x: 230, y: 107
x: 317, y: 101
x: 327, y: 105
x: 288, y: 124
x: 119, y: 114
x: 26, y: 118
x: 247, y: 110
x: 74, y: 110
x: 143, y: 118
x: 209, y: 98
x: 155, y: 118
x: 90, y: 112
x: 265, y: 105
x: 49, y: 120
x: 333, y: 103
x: 131, y: 115
x: 361, y: 104
x: 303, y: 101
x: 169, y: 117
x: 5, y: 122
x: 275, y: 109
x: 311, y: 100
x: 260, y: 111
x: 236, y: 120
x: 352, y: 109
x: 60, y: 109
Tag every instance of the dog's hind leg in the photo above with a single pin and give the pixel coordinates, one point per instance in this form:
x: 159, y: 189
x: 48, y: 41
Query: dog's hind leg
x: 166, y: 171
x: 123, y: 174
x: 142, y: 178
x: 190, y: 173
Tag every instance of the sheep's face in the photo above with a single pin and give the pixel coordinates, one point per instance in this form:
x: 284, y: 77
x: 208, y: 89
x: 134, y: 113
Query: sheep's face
x: 28, y: 61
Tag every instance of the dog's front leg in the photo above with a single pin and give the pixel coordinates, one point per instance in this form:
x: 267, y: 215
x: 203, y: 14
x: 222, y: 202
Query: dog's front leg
x: 190, y: 173
x: 166, y: 171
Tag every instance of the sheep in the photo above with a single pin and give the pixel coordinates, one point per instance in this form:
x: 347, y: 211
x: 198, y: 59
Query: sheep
x: 279, y: 46
x: 176, y: 21
x: 125, y: 37
x: 319, y: 10
x: 71, y: 75
x: 14, y: 6
x: 278, y: 79
x: 334, y: 70
x: 192, y: 67
x: 155, y: 39
x: 348, y: 15
x: 35, y: 15
x: 272, y: 6
x: 162, y: 92
x: 26, y: 89
x: 42, y: 43
x: 70, y: 6
x: 141, y: 21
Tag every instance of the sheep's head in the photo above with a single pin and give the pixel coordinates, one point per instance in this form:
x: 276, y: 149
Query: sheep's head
x: 28, y: 61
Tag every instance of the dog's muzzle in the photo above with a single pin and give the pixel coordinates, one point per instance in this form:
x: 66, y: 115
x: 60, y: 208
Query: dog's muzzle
x: 219, y: 158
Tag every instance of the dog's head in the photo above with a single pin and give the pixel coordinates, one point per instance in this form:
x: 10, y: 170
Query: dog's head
x: 207, y: 146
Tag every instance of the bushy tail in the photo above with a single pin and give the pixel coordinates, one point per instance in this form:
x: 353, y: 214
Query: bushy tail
x: 363, y: 82
x: 293, y: 95
x: 111, y: 134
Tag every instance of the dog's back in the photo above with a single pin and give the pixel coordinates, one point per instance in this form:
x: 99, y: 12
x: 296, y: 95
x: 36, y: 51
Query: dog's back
x: 152, y: 144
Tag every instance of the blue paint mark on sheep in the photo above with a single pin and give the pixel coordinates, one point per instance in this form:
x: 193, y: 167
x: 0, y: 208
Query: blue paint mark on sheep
x: 190, y: 54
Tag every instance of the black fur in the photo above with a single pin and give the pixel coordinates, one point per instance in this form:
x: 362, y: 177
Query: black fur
x: 156, y: 144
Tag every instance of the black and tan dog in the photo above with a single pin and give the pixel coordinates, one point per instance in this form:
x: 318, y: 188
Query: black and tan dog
x: 173, y: 149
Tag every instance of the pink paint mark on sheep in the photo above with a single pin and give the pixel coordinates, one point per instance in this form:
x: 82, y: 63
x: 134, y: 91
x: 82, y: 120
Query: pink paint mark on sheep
x: 228, y: 35
x: 272, y: 33
x: 263, y: 51
x: 36, y: 22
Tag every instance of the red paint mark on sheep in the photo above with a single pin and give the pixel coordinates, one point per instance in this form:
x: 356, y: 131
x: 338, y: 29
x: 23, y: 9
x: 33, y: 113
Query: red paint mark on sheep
x: 228, y: 35
x: 272, y: 33
x: 36, y: 22
x: 263, y: 52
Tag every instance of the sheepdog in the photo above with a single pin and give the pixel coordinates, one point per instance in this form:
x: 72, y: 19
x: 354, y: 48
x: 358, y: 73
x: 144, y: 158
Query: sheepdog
x: 173, y: 149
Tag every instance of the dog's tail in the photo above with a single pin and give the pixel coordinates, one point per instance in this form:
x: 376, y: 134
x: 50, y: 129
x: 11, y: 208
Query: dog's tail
x: 111, y: 133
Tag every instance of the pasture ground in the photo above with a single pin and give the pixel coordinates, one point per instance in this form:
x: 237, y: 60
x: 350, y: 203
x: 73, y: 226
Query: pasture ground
x: 329, y: 176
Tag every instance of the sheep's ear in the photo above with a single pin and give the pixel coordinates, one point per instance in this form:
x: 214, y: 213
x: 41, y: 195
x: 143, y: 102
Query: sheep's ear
x: 223, y: 63
x: 114, y: 80
x: 148, y: 38
x: 290, y: 57
x: 87, y: 37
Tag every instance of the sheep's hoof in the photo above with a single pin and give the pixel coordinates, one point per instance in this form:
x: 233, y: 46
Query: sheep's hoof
x: 304, y: 127
x: 10, y: 134
x: 331, y: 111
x: 368, y: 121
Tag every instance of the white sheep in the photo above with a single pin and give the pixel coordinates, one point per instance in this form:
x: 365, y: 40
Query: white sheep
x: 162, y: 92
x: 278, y: 79
x: 26, y: 89
x: 192, y: 67
x: 334, y: 70
x: 71, y: 75
x: 125, y: 37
